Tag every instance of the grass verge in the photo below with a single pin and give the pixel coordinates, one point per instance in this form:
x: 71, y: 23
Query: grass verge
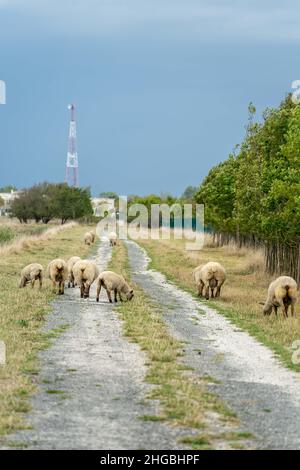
x: 183, y: 396
x: 22, y: 312
x: 246, y: 284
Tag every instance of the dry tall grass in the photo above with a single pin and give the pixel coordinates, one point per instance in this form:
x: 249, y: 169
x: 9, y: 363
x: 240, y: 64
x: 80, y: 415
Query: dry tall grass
x: 16, y: 246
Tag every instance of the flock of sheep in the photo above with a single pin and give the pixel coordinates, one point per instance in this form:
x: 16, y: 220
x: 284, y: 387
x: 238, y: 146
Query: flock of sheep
x: 281, y: 293
x: 79, y: 272
x: 209, y: 280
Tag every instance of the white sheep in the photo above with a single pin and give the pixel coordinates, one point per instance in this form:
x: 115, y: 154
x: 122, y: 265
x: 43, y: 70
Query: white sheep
x: 30, y: 274
x: 88, y: 239
x: 70, y: 264
x: 85, y: 273
x: 58, y: 274
x: 113, y: 282
x: 93, y: 236
x: 281, y: 293
x: 112, y: 238
x: 211, y: 276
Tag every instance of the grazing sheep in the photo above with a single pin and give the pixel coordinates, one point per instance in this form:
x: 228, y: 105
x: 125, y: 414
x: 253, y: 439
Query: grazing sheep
x: 209, y: 276
x: 281, y: 293
x: 93, y: 236
x: 85, y: 272
x: 30, y: 274
x: 88, y: 239
x: 70, y: 264
x: 58, y: 274
x: 112, y: 238
x: 113, y: 282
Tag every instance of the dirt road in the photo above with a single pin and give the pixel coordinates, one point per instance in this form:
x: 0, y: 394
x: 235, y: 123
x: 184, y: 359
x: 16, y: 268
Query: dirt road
x: 91, y: 388
x: 264, y: 394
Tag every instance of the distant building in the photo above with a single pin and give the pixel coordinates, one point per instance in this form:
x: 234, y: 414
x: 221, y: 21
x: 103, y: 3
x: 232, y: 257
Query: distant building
x: 102, y: 205
x: 8, y: 198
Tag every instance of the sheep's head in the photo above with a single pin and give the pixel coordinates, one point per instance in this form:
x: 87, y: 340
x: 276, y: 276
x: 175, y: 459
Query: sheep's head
x: 267, y: 310
x: 129, y: 294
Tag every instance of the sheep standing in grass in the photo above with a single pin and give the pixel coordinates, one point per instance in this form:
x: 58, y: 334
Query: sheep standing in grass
x: 88, y: 239
x: 85, y: 273
x: 70, y: 264
x: 211, y: 276
x: 113, y: 282
x: 112, y: 238
x: 281, y: 293
x: 58, y: 274
x: 30, y: 274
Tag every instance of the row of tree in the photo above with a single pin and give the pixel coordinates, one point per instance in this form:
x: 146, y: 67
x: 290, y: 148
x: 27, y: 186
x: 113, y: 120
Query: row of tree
x: 44, y: 202
x: 254, y: 196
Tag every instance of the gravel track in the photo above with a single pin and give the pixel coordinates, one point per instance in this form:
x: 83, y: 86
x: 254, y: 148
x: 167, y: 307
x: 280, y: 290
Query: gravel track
x: 256, y: 386
x: 91, y: 389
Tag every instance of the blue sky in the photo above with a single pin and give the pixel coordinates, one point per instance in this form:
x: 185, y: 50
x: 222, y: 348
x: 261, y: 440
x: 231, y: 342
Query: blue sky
x: 161, y: 86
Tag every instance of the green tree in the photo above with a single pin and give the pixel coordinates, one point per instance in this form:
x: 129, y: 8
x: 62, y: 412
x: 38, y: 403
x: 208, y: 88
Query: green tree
x: 7, y: 189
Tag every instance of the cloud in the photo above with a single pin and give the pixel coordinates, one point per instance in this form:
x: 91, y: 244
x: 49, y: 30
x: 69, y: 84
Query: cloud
x: 191, y: 19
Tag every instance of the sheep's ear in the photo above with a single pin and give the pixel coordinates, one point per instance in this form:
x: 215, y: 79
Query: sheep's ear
x: 131, y: 292
x: 261, y: 303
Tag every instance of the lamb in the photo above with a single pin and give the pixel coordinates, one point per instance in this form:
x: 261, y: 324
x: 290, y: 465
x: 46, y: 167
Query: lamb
x: 112, y: 238
x: 85, y: 273
x: 211, y: 276
x: 281, y: 293
x: 58, y: 273
x: 113, y: 282
x: 30, y: 274
x: 88, y: 239
x: 70, y: 264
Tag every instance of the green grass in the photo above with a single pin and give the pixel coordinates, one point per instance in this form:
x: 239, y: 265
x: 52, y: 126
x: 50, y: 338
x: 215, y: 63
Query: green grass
x: 183, y: 396
x: 22, y: 314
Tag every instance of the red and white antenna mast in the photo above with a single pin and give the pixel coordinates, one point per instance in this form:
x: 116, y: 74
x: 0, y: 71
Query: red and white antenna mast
x: 72, y: 158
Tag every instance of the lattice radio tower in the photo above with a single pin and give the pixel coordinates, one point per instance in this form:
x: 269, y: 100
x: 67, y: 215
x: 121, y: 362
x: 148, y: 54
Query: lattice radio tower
x: 72, y: 158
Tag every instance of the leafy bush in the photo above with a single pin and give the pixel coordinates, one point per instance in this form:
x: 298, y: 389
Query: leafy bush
x: 6, y: 234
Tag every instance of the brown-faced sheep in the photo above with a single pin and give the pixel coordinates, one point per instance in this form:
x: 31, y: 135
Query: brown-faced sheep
x: 58, y: 274
x: 112, y: 238
x: 85, y: 272
x: 70, y: 264
x: 211, y: 276
x: 30, y: 274
x: 281, y: 293
x: 113, y: 282
x: 88, y: 239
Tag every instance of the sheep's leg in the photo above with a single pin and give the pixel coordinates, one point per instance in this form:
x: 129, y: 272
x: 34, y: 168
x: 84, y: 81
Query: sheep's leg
x: 32, y: 283
x: 292, y: 309
x: 109, y: 295
x: 200, y: 289
x: 54, y: 287
x: 286, y: 309
x: 120, y: 297
x: 81, y: 290
x: 98, y: 291
x: 207, y: 292
x: 115, y: 294
x: 212, y: 292
x: 87, y: 291
x: 218, y: 293
x: 275, y: 309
